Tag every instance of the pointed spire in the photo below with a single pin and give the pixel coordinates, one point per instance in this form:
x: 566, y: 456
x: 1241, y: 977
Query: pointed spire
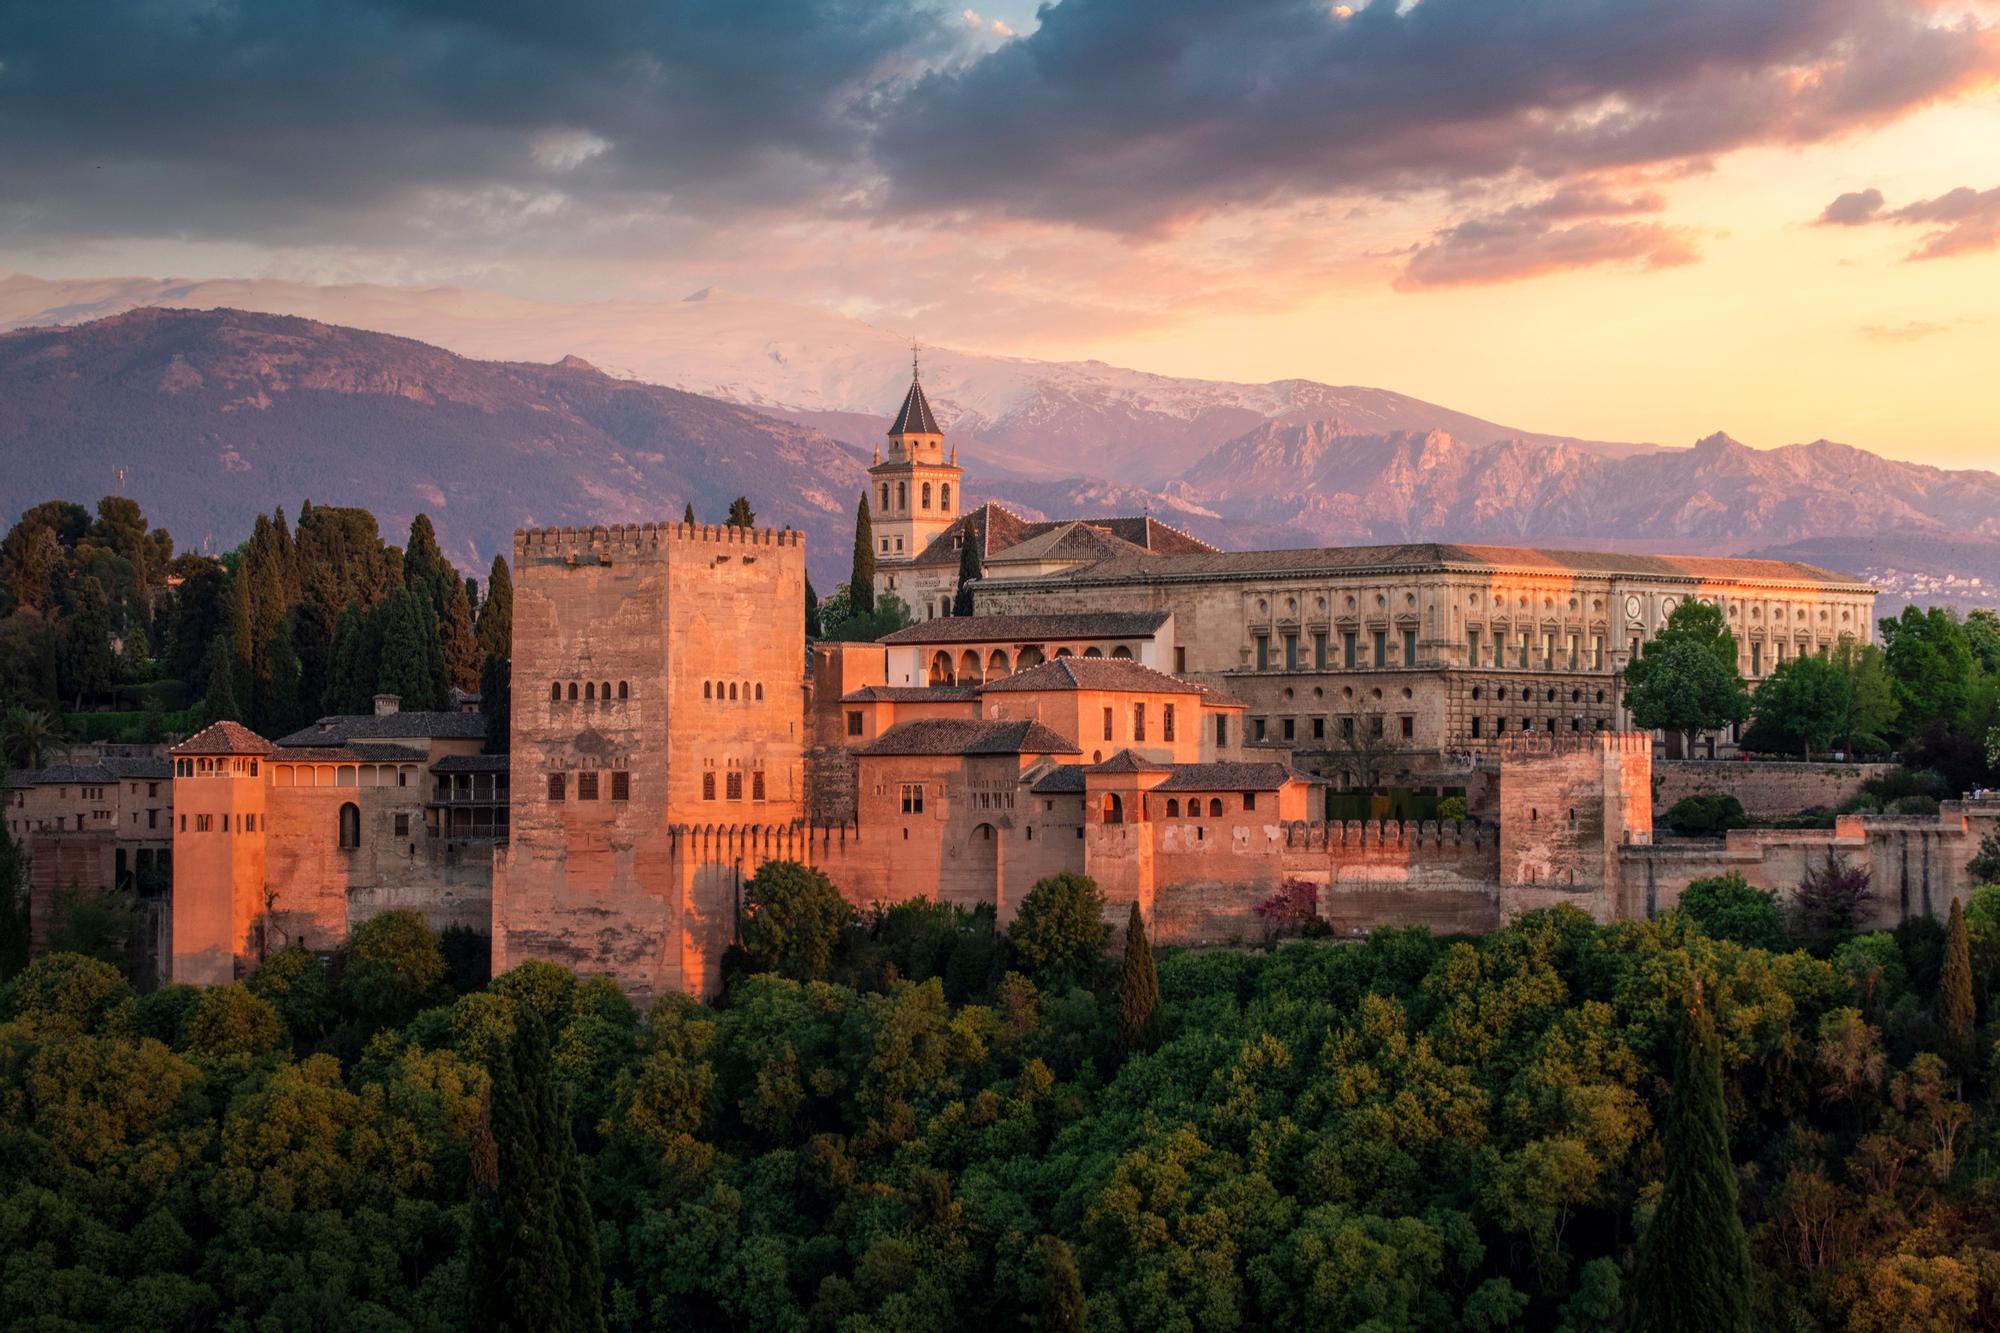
x: 916, y: 417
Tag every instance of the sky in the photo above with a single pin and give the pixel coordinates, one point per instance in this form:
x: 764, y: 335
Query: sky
x: 1617, y: 219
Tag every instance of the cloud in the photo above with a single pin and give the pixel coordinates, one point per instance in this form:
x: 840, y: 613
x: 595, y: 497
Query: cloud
x: 1852, y: 209
x: 1136, y: 115
x: 1963, y: 220
x: 1569, y: 229
x: 1912, y: 331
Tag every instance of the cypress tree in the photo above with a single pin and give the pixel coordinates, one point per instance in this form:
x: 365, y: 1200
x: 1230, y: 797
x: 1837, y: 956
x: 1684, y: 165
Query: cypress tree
x: 1138, y: 988
x: 13, y: 902
x: 496, y: 613
x: 457, y: 641
x: 344, y: 669
x: 970, y: 566
x: 276, y: 708
x: 1956, y: 1013
x: 219, y: 666
x: 812, y: 613
x: 687, y: 514
x: 740, y: 513
x: 532, y: 1253
x: 424, y: 564
x: 242, y: 629
x: 861, y: 582
x: 1694, y: 1266
x: 407, y: 649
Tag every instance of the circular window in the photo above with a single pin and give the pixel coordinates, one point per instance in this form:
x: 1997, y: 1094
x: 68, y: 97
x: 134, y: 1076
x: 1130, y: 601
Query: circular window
x: 1376, y: 693
x: 1263, y: 605
x: 1600, y: 696
x: 1409, y: 599
x: 1318, y: 693
x: 1350, y: 602
x: 1501, y: 694
x: 1347, y: 692
x: 1475, y: 691
x: 1576, y: 696
x: 1288, y: 691
x: 1551, y: 696
x: 1380, y: 600
x: 1406, y: 692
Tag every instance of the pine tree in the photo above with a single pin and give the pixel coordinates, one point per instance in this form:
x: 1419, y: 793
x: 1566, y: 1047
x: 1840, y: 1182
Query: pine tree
x: 532, y: 1252
x: 277, y: 708
x: 812, y: 613
x: 1956, y: 1012
x: 1138, y: 988
x: 971, y: 565
x: 457, y: 640
x: 496, y: 613
x: 1694, y: 1266
x: 861, y: 582
x: 219, y: 666
x: 687, y: 514
x: 740, y: 513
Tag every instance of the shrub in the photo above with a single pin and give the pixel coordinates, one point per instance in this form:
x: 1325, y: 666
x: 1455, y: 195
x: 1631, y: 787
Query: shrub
x: 793, y: 918
x: 1727, y: 908
x: 1830, y: 901
x: 1293, y: 910
x: 1706, y: 815
x: 1452, y: 810
x: 1060, y: 931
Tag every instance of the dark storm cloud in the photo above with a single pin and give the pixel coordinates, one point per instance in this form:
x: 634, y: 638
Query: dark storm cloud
x: 254, y: 118
x: 1131, y: 113
x: 437, y: 120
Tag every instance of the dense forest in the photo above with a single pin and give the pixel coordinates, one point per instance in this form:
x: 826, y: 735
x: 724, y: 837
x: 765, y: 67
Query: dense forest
x: 906, y: 1121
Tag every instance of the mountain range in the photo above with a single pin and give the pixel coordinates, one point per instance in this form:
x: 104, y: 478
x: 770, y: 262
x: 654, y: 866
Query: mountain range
x: 217, y: 414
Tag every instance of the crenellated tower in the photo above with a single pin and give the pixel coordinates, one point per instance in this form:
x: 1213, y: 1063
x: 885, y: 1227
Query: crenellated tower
x: 913, y: 488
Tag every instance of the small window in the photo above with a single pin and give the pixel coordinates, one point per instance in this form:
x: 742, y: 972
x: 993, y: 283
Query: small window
x: 760, y: 693
x: 732, y: 691
x: 1409, y: 728
x: 708, y: 785
x: 1249, y: 800
x: 402, y: 826
x: 621, y: 785
x: 624, y: 690
x: 913, y: 798
x: 586, y: 785
x: 707, y: 689
x: 854, y: 724
x: 350, y: 825
x: 589, y: 692
x: 1215, y: 807
x: 572, y: 691
x: 1107, y: 724
x: 757, y: 785
x: 555, y: 691
x: 1173, y: 808
x: 1138, y: 722
x: 604, y: 691
x: 1221, y: 730
x: 557, y: 784
x: 732, y: 787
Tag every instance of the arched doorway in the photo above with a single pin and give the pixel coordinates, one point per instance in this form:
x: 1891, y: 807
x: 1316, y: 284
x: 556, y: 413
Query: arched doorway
x: 996, y: 665
x: 1114, y: 808
x: 940, y: 673
x: 968, y: 667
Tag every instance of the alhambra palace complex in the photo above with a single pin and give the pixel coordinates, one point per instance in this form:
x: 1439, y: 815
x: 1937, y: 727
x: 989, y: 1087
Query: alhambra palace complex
x: 1128, y: 703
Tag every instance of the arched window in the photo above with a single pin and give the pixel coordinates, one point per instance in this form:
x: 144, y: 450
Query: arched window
x: 927, y: 495
x: 572, y: 691
x: 885, y: 495
x: 941, y: 672
x: 1173, y: 808
x: 555, y: 690
x: 902, y: 495
x: 1121, y: 654
x: 732, y: 689
x: 589, y: 691
x: 1114, y: 809
x: 624, y: 691
x: 350, y: 825
x: 604, y: 691
x: 760, y: 694
x: 707, y: 690
x: 1092, y: 652
x: 944, y: 497
x: 1215, y: 807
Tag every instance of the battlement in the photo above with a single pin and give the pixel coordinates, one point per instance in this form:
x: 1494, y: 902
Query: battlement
x: 631, y: 540
x: 1542, y: 745
x: 1385, y: 833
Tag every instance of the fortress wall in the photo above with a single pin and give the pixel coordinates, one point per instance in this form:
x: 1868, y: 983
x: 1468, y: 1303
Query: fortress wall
x: 1767, y: 790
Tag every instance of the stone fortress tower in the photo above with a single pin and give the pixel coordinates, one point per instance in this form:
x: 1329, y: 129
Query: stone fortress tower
x: 658, y: 702
x: 914, y: 493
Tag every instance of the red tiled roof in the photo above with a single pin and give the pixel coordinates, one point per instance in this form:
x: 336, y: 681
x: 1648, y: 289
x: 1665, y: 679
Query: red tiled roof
x: 1031, y: 628
x: 950, y: 736
x: 1093, y: 673
x: 224, y: 738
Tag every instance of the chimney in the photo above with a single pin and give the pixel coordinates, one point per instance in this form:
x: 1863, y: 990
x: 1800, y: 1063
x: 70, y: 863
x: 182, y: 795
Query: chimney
x: 385, y: 704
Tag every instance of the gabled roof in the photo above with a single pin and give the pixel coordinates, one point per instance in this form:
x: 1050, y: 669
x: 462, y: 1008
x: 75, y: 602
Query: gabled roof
x: 1235, y: 777
x: 1031, y: 629
x: 1093, y: 673
x: 1127, y: 761
x: 339, y: 730
x: 347, y: 754
x: 915, y: 418
x: 912, y: 694
x: 1060, y: 780
x: 1072, y: 541
x: 1001, y: 529
x: 1424, y: 556
x: 966, y: 736
x: 224, y: 738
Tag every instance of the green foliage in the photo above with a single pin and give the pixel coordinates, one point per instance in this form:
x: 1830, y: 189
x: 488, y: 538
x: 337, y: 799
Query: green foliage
x: 95, y: 923
x: 861, y: 580
x: 741, y: 515
x: 1931, y: 666
x: 230, y: 1020
x: 27, y: 735
x: 1683, y: 684
x: 1059, y: 931
x: 296, y: 986
x: 1984, y: 867
x: 13, y: 902
x: 890, y: 614
x: 1694, y: 1266
x: 1452, y: 810
x: 1706, y: 815
x: 1726, y: 908
x: 394, y: 966
x: 793, y: 917
x: 1803, y: 705
x: 812, y: 613
x: 971, y: 568
x: 1956, y: 1013
x: 1831, y: 899
x: 220, y: 704
x: 532, y: 1262
x: 1138, y: 988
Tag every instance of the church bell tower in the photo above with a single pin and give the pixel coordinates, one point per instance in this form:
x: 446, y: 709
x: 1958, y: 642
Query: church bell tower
x: 914, y: 487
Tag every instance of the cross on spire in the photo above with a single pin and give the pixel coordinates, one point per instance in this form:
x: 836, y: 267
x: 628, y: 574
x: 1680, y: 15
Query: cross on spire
x: 914, y: 372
